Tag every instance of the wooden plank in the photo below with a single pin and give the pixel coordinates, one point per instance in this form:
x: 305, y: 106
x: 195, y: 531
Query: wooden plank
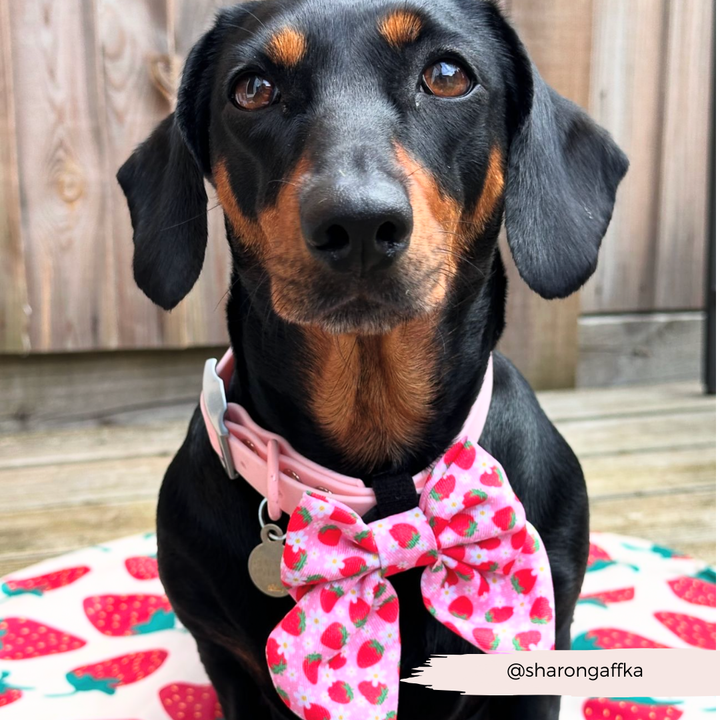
x: 88, y: 389
x: 683, y: 208
x: 541, y: 337
x: 62, y: 171
x: 595, y: 403
x: 13, y: 285
x: 682, y: 521
x: 58, y: 531
x: 626, y: 91
x: 89, y: 444
x: 657, y: 347
x: 640, y: 434
x: 669, y: 470
x: 84, y: 483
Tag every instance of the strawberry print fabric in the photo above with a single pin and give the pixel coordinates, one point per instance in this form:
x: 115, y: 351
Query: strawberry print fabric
x: 634, y: 594
x: 487, y: 578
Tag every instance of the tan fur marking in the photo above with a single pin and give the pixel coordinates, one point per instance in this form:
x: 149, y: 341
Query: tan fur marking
x: 401, y: 28
x: 287, y: 47
x: 373, y: 395
x: 492, y: 191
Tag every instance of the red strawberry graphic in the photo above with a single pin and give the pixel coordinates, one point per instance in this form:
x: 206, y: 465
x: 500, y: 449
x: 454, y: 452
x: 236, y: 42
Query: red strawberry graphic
x: 517, y: 540
x: 689, y: 629
x: 523, y: 581
x: 370, y: 652
x: 44, y: 583
x: 492, y: 478
x: 456, y: 553
x: 337, y: 662
x: 443, y: 488
x: 317, y: 712
x: 284, y: 697
x: 504, y: 518
x: 107, y: 676
x: 343, y: 516
x: 374, y: 694
x: 438, y: 524
x: 22, y: 639
x: 311, y: 666
x: 123, y: 615
x: 389, y: 609
x: 461, y: 454
x: 275, y: 658
x: 694, y: 590
x: 541, y: 612
x: 463, y: 525
x: 531, y: 545
x: 461, y: 607
x: 294, y: 622
x: 498, y: 614
x: 451, y: 627
x: 142, y: 567
x: 427, y: 558
x: 330, y: 535
x: 486, y: 639
x: 340, y: 692
x: 507, y: 568
x: 599, y: 559
x: 474, y: 497
x: 294, y: 559
x: 406, y: 535
x: 353, y: 566
x: 335, y: 636
x: 612, y: 639
x: 490, y: 543
x: 329, y: 596
x: 636, y: 708
x: 8, y: 693
x: 299, y: 520
x: 603, y: 599
x: 366, y: 541
x: 358, y: 611
x: 484, y: 586
x: 523, y: 640
x: 183, y: 701
x: 488, y: 566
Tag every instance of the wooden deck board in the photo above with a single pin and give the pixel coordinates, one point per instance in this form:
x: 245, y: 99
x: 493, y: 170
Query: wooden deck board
x: 648, y: 454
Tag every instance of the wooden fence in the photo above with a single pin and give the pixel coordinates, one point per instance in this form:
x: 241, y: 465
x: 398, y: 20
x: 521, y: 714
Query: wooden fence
x: 83, y: 81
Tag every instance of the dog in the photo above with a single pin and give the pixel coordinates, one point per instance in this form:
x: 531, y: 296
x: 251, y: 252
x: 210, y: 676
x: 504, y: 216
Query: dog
x: 365, y: 154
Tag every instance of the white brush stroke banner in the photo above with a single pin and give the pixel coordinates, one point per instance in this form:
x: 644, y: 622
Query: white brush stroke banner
x: 607, y: 673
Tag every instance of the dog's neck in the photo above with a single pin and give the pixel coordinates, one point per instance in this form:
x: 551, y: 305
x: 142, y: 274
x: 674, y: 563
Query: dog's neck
x: 366, y: 404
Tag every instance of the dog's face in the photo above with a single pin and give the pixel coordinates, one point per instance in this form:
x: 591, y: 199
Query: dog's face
x: 358, y: 151
x: 363, y: 152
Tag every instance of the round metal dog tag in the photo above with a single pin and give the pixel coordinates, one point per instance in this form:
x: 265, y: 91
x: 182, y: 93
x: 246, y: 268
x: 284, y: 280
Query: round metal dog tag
x: 264, y: 562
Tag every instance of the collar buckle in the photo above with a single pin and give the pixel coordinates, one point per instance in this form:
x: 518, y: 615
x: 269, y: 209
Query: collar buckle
x: 216, y: 407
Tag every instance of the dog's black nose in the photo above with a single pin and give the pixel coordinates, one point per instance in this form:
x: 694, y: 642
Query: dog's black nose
x: 357, y: 227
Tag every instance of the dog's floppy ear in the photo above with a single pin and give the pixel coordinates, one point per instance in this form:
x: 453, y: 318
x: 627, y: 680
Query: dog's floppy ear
x: 163, y: 183
x: 562, y: 174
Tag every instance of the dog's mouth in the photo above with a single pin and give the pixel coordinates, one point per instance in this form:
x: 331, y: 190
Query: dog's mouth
x: 355, y: 305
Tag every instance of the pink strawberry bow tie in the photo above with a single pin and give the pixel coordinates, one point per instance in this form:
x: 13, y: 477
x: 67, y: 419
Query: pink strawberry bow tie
x: 336, y: 655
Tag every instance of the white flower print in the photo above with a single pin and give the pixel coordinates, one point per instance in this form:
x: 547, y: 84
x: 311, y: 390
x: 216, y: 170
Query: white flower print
x: 285, y: 642
x: 476, y: 555
x: 453, y: 503
x: 334, y: 561
x: 314, y: 554
x: 316, y: 621
x: 394, y: 655
x: 388, y: 637
x: 294, y: 579
x: 380, y: 527
x: 297, y: 539
x: 292, y: 674
x: 448, y: 592
x: 304, y: 697
x: 351, y: 672
x: 327, y: 675
x: 310, y: 641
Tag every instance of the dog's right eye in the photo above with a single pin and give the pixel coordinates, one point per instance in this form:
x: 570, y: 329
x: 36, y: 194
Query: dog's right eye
x: 253, y: 91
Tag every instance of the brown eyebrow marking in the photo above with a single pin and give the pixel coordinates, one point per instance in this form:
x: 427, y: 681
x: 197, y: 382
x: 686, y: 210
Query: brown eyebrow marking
x: 287, y: 47
x: 401, y: 28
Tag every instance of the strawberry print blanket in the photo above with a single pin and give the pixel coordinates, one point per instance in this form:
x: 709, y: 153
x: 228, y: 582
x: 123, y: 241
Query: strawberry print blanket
x: 91, y: 635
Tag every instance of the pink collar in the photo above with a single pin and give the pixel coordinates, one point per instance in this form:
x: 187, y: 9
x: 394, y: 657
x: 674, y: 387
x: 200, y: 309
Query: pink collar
x: 269, y: 463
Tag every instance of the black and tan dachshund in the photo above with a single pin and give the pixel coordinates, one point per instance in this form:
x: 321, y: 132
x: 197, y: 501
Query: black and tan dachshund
x: 365, y: 153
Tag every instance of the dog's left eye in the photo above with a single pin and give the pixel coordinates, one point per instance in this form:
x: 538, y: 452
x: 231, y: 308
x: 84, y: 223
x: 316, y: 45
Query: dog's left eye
x: 253, y: 91
x: 446, y: 79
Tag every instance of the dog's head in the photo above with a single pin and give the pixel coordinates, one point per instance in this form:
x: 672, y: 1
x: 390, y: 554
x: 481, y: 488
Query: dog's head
x: 363, y: 152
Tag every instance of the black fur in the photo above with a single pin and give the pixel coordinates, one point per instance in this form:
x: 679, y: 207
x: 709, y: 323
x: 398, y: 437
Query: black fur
x: 352, y: 97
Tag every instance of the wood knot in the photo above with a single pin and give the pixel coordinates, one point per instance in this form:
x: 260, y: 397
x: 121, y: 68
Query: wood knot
x: 165, y: 73
x: 70, y: 182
